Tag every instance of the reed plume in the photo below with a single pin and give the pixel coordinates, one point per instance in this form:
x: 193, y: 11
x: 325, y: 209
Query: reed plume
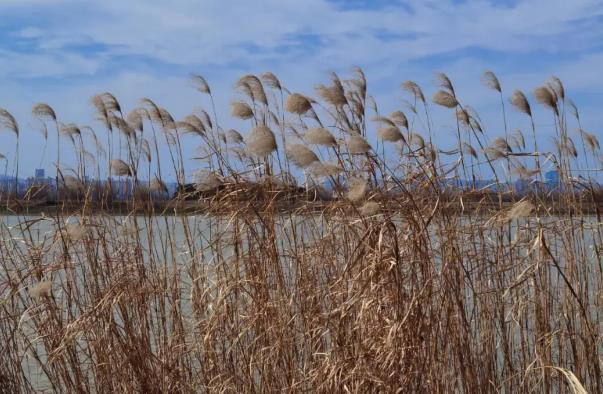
x: 241, y: 110
x: 297, y: 104
x: 120, y: 168
x: 390, y: 134
x: 358, y: 145
x: 521, y: 103
x: 545, y: 96
x: 370, y: 208
x: 357, y: 189
x: 320, y: 136
x: 200, y: 84
x: 41, y: 289
x: 260, y: 141
x: 444, y: 99
x: 321, y: 169
x: 300, y: 155
x: 490, y: 80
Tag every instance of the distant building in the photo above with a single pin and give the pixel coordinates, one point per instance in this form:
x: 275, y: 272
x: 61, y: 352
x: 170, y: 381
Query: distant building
x: 40, y: 174
x: 551, y: 176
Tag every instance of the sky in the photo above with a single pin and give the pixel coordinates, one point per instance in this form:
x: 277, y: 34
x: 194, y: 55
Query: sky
x: 64, y: 51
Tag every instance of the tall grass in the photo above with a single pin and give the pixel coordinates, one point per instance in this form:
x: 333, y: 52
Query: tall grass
x: 390, y: 281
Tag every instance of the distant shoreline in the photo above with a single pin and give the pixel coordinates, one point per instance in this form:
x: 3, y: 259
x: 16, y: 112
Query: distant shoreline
x: 207, y: 206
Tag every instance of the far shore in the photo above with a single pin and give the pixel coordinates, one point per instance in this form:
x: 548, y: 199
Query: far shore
x: 301, y: 206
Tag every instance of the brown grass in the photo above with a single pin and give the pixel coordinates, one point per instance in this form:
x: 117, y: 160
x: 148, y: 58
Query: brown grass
x: 249, y: 281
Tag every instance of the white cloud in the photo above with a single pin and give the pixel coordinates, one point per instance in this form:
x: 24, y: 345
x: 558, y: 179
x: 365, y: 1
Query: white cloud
x: 223, y: 40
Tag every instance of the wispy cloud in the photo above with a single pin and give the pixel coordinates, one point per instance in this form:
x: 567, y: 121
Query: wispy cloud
x: 63, y: 50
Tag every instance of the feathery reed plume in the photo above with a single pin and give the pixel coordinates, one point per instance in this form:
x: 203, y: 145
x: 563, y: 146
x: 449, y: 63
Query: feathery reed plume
x: 75, y: 231
x: 70, y: 130
x: 334, y: 94
x: 157, y: 185
x: 418, y: 140
x: 445, y: 83
x: 501, y: 144
x: 494, y: 154
x: 591, y: 140
x: 271, y: 80
x: 414, y: 89
x: 468, y: 149
x: 122, y: 125
x: 260, y: 141
x: 205, y: 118
x: 120, y: 168
x: 390, y: 134
x: 399, y: 119
x: 44, y: 130
x: 545, y: 96
x: 145, y: 148
x: 520, y: 209
x: 297, y: 104
x: 444, y: 99
x: 191, y: 127
x: 164, y: 118
x: 556, y: 86
x: 517, y: 139
x: 41, y: 289
x: 241, y: 110
x: 320, y: 136
x: 383, y: 119
x: 521, y: 103
x: 360, y: 81
x: 357, y: 189
x: 574, y: 109
x: 198, y: 126
x: 207, y: 180
x: 44, y: 111
x: 463, y: 117
x: 321, y: 169
x: 567, y: 147
x: 525, y: 173
x: 8, y: 121
x: 358, y: 145
x: 111, y: 102
x: 370, y: 208
x: 300, y: 155
x: 490, y: 80
x: 252, y: 87
x: 200, y: 84
x: 72, y: 183
x: 135, y: 119
x: 234, y: 136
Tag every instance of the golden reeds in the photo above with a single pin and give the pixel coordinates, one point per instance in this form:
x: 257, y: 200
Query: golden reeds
x: 260, y: 141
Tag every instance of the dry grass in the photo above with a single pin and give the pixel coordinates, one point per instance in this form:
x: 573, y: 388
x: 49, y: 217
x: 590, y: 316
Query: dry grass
x: 400, y: 284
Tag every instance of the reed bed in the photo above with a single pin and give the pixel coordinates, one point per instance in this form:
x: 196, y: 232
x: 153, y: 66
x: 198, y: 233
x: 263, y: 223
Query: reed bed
x: 393, y: 279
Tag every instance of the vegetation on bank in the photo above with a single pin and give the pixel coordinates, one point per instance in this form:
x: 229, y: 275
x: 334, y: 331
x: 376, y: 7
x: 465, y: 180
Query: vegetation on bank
x: 387, y: 288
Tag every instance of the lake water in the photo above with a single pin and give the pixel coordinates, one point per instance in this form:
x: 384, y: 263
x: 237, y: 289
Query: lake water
x: 194, y: 239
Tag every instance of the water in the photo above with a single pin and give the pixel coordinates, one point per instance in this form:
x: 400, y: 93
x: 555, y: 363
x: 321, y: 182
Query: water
x: 183, y: 242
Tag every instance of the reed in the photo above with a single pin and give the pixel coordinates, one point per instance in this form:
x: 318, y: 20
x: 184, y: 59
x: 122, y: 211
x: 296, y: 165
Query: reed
x: 378, y: 273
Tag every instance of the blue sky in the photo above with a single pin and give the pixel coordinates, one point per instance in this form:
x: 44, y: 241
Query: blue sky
x: 64, y: 51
